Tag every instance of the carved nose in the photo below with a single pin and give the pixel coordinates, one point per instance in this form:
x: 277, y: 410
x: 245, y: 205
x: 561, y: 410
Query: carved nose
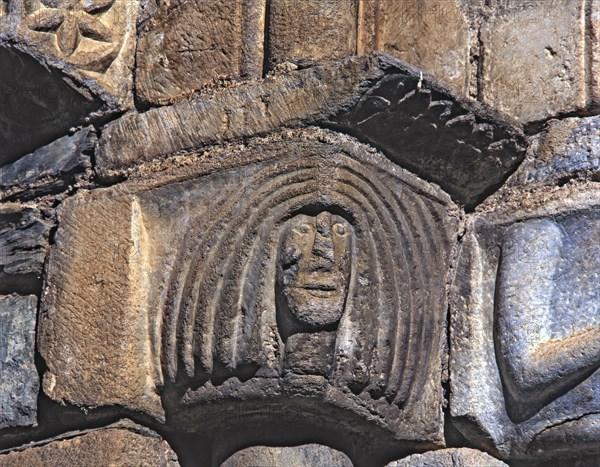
x: 323, y: 249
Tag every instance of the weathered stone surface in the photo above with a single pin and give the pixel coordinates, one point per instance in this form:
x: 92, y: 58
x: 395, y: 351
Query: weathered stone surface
x: 594, y: 45
x: 94, y: 330
x: 92, y: 42
x: 525, y: 324
x: 19, y: 380
x: 568, y: 149
x: 308, y: 30
x: 50, y: 168
x: 123, y: 443
x: 187, y: 45
x: 431, y: 34
x: 534, y: 59
x: 37, y: 105
x: 23, y: 244
x: 324, y: 238
x: 462, y: 457
x: 465, y: 148
x: 298, y: 456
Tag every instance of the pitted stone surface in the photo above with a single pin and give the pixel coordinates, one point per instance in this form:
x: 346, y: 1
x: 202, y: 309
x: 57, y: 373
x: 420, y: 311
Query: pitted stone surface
x: 533, y: 64
x: 188, y: 45
x: 302, y: 31
x: 462, y: 457
x: 317, y: 224
x: 525, y: 329
x: 568, y: 149
x: 431, y: 34
x: 19, y: 380
x: 123, y: 443
x: 297, y: 456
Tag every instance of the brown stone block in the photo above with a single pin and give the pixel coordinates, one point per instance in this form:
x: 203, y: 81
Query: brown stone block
x: 123, y: 443
x: 188, y: 45
x: 594, y: 46
x: 534, y: 59
x: 431, y: 34
x: 310, y: 30
x: 95, y: 333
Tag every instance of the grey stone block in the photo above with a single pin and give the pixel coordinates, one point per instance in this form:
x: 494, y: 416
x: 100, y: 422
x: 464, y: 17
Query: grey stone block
x: 19, y: 379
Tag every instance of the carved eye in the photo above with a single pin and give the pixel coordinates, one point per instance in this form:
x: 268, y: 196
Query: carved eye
x: 340, y: 229
x: 304, y: 229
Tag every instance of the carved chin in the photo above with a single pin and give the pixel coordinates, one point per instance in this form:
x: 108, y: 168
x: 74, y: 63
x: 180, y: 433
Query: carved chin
x: 315, y: 308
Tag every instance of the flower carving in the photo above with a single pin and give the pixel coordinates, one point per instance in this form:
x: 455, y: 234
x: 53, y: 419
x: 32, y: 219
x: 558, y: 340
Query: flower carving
x: 71, y: 20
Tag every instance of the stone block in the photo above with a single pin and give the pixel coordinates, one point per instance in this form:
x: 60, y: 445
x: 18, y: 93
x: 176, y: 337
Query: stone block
x: 463, y: 457
x: 567, y: 149
x: 432, y: 34
x: 24, y: 236
x: 594, y: 45
x: 19, y: 380
x: 525, y: 325
x: 92, y: 42
x: 50, y: 168
x: 297, y: 456
x: 466, y: 148
x: 123, y: 443
x: 38, y: 104
x: 189, y: 45
x: 94, y: 330
x: 534, y: 59
x: 301, y: 31
x: 230, y: 257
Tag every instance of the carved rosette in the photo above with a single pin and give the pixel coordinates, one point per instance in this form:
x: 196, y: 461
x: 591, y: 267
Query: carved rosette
x: 83, y: 32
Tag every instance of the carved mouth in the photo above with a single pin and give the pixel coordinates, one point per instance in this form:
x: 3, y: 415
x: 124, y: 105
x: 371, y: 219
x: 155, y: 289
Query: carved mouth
x: 321, y: 287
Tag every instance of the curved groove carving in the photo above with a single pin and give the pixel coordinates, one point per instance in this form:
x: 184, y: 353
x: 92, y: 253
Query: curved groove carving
x: 223, y: 315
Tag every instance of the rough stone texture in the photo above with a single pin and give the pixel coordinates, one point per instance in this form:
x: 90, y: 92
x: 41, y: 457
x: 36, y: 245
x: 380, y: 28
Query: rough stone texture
x: 212, y: 340
x: 431, y: 34
x: 93, y: 42
x: 568, y: 149
x: 187, y: 45
x: 467, y: 149
x: 302, y: 31
x: 594, y: 45
x: 19, y: 380
x: 37, y: 105
x: 298, y: 456
x: 123, y: 443
x: 23, y: 244
x: 94, y: 330
x: 534, y: 59
x: 524, y: 325
x: 462, y: 457
x: 50, y: 168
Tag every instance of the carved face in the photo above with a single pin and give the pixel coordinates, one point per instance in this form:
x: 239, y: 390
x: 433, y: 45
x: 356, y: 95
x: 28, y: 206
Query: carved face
x: 313, y: 270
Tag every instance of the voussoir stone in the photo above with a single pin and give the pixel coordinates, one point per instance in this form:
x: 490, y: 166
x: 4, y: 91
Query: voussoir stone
x: 188, y: 45
x: 19, y: 380
x: 309, y: 30
x: 91, y: 42
x: 465, y: 147
x: 463, y: 457
x: 49, y: 168
x: 297, y: 456
x: 431, y: 34
x: 567, y: 149
x: 123, y: 443
x: 534, y: 59
x: 525, y: 315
